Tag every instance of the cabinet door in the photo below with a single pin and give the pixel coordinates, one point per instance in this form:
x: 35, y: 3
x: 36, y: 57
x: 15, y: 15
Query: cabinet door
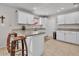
x: 67, y: 36
x: 77, y: 40
x: 73, y: 37
x: 70, y: 18
x: 60, y: 35
x: 0, y: 43
x: 77, y: 17
x: 37, y: 45
x: 60, y: 19
x: 70, y: 36
x: 67, y: 19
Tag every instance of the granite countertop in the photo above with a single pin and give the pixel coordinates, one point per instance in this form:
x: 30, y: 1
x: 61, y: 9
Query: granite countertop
x: 35, y: 34
x: 68, y: 29
x: 30, y: 34
x: 28, y: 29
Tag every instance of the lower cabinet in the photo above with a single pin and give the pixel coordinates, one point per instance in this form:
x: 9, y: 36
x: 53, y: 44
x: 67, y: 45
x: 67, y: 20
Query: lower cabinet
x: 60, y: 35
x: 77, y: 40
x: 37, y: 45
x: 68, y: 36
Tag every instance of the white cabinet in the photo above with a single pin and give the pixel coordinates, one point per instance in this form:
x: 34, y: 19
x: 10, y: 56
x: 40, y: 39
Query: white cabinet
x: 0, y: 43
x: 77, y: 40
x: 60, y: 19
x: 67, y: 36
x: 24, y: 18
x: 29, y: 45
x: 37, y: 45
x: 73, y: 37
x: 76, y: 17
x: 70, y: 36
x: 66, y: 19
x: 70, y: 18
x: 60, y: 35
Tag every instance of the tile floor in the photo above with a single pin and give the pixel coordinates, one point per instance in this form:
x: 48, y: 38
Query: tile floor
x: 58, y: 48
x: 53, y: 48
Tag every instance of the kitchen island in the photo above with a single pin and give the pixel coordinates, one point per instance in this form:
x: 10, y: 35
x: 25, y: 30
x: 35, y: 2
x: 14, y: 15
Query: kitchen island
x: 34, y: 39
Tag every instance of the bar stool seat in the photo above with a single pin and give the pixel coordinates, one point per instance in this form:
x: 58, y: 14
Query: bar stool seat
x: 19, y: 38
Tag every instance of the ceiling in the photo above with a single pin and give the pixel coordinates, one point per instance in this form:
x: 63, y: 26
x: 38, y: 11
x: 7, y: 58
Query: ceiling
x: 46, y: 9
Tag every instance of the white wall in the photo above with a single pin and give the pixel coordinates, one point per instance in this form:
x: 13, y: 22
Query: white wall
x: 51, y: 25
x: 9, y: 21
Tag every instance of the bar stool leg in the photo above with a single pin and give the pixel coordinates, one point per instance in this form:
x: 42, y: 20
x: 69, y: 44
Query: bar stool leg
x: 26, y: 47
x: 13, y: 46
x: 17, y: 43
x: 22, y: 47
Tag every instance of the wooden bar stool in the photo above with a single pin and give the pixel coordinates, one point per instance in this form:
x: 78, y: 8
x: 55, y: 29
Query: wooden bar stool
x: 9, y: 39
x: 11, y: 47
x: 24, y: 45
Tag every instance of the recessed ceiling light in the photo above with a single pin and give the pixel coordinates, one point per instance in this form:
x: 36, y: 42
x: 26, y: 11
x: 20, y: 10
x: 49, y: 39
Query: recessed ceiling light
x: 62, y: 8
x: 34, y: 8
x: 75, y: 5
x: 58, y: 10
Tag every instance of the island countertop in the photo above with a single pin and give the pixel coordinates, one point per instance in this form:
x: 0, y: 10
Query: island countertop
x: 29, y: 31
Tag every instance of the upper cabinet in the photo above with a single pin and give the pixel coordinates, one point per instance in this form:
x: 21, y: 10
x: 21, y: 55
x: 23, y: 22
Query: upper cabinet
x: 71, y: 18
x: 76, y: 17
x: 24, y: 18
x: 27, y: 18
x: 60, y: 19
